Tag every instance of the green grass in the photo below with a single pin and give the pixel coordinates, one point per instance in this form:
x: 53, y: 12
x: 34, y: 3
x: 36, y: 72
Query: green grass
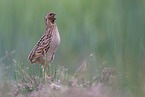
x: 28, y: 82
x: 52, y: 74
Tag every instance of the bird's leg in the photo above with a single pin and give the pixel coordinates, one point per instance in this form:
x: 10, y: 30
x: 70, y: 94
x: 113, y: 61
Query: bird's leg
x: 49, y: 72
x: 42, y: 70
x: 46, y: 70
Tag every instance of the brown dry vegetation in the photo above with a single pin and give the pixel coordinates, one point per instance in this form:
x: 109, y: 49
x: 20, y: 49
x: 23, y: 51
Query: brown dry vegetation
x: 106, y: 86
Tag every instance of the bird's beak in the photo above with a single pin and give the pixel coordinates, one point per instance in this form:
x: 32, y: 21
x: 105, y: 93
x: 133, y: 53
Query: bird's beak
x: 54, y: 17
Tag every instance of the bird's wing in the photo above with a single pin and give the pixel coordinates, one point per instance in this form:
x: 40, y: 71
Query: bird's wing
x: 41, y: 47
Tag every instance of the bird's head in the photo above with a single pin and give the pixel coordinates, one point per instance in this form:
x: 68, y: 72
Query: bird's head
x: 50, y: 17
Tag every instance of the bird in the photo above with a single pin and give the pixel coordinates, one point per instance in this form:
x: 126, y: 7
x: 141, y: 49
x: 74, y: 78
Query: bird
x: 44, y: 50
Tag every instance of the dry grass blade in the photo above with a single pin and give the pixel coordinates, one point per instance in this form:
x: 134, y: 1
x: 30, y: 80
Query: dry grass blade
x: 83, y: 65
x: 24, y: 72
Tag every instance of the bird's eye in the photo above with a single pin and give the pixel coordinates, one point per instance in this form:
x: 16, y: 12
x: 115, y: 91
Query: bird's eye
x: 51, y: 14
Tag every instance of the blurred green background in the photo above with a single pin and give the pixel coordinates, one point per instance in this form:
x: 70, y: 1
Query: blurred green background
x: 112, y: 30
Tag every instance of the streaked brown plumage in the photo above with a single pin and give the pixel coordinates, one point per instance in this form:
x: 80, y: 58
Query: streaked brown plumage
x: 44, y: 50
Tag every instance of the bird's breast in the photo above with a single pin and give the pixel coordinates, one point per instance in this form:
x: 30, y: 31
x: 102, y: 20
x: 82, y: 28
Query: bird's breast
x: 55, y: 37
x: 55, y: 41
